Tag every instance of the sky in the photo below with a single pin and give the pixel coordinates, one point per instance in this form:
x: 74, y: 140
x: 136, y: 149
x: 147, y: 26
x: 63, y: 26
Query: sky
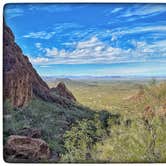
x: 91, y: 39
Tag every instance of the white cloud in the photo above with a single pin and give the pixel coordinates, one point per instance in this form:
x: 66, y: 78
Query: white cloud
x: 119, y: 32
x: 147, y: 9
x: 39, y: 46
x: 40, y: 35
x: 114, y: 37
x: 51, y: 52
x: 90, y: 51
x: 96, y: 51
x: 116, y: 10
x: 13, y: 12
x: 51, y: 8
x: 89, y: 43
x: 69, y: 43
x: 39, y: 60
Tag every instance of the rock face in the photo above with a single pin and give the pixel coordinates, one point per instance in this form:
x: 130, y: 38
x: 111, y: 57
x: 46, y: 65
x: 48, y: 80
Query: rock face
x: 63, y: 91
x: 23, y: 147
x: 21, y: 80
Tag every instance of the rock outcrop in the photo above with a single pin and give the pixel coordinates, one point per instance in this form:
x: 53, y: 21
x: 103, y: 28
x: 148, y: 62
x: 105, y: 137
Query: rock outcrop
x: 26, y: 148
x: 21, y: 81
x: 63, y: 91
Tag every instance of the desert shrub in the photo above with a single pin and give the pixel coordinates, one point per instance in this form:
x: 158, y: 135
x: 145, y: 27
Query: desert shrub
x: 51, y: 119
x: 142, y: 140
x: 104, y: 116
x: 133, y: 144
x: 80, y: 139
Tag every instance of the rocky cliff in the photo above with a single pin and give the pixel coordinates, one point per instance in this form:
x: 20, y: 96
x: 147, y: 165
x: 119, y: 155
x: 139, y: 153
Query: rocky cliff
x: 21, y: 81
x: 63, y: 91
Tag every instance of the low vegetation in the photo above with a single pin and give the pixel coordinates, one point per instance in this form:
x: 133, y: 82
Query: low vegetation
x: 137, y: 136
x: 53, y: 121
x: 129, y: 125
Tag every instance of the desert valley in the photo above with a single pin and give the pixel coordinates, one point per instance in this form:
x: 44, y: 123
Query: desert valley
x: 103, y: 113
x: 99, y: 120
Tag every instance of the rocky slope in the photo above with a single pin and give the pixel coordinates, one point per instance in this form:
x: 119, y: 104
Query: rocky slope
x: 63, y: 91
x: 21, y: 81
x: 20, y: 78
x: 46, y: 117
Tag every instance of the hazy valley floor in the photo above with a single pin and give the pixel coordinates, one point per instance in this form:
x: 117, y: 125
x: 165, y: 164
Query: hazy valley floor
x: 112, y: 121
x: 138, y: 135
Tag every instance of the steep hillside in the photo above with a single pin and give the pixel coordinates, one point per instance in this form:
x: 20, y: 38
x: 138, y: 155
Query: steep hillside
x: 21, y: 80
x: 32, y: 111
x: 37, y: 117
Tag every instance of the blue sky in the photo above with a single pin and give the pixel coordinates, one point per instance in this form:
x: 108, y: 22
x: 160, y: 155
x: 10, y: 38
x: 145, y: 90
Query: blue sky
x: 91, y: 39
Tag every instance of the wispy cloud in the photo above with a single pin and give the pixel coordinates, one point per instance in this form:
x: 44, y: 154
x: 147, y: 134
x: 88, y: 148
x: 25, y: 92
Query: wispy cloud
x: 112, y: 11
x: 96, y: 51
x: 40, y: 35
x: 134, y: 12
x: 147, y: 9
x: 39, y: 60
x: 39, y: 46
x: 56, y: 8
x: 13, y: 12
x: 51, y: 8
x: 119, y: 32
x: 123, y: 35
x: 51, y: 52
x: 116, y: 10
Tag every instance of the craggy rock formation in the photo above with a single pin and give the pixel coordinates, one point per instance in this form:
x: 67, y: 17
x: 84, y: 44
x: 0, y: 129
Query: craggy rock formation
x: 63, y: 91
x: 21, y: 81
x: 20, y: 78
x: 22, y: 147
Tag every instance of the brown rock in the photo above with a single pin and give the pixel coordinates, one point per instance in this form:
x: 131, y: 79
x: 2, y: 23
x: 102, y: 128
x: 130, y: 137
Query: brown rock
x: 22, y: 147
x: 148, y: 113
x: 63, y: 91
x: 20, y: 79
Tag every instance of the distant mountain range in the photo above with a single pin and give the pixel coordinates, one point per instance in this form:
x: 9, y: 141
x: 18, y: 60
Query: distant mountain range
x: 52, y: 78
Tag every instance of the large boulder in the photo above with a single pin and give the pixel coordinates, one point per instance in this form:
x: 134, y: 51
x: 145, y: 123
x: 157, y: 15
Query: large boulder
x: 23, y: 147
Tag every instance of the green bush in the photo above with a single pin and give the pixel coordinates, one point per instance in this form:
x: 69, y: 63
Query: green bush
x: 51, y: 119
x: 80, y: 139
